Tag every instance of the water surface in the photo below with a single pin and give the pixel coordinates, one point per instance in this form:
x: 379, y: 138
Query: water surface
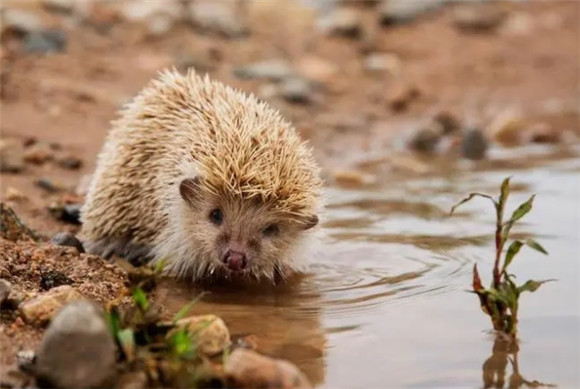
x: 384, y: 303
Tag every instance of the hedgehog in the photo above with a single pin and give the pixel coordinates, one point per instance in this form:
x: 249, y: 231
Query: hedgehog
x: 207, y: 179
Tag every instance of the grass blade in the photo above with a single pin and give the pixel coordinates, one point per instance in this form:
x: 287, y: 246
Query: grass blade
x: 471, y: 196
x: 536, y: 246
x: 185, y: 310
x: 511, y: 253
x: 140, y: 299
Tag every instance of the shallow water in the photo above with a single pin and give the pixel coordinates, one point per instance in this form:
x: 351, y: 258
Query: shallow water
x: 384, y: 304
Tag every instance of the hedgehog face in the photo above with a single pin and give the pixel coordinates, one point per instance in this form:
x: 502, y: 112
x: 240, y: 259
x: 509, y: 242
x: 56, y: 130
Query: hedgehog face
x: 240, y: 236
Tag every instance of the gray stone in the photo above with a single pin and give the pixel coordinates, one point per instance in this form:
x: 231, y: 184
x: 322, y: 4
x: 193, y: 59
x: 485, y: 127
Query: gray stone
x: 218, y: 17
x: 425, y: 139
x: 77, y: 350
x: 5, y: 287
x: 474, y: 144
x: 11, y: 156
x: 296, y: 90
x: 406, y: 11
x: 273, y: 70
x: 46, y: 41
x: 342, y: 21
x: 20, y: 21
x: 69, y: 240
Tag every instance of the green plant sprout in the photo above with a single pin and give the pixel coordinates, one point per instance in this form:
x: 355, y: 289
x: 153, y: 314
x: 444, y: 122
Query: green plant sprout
x: 501, y: 300
x: 145, y: 341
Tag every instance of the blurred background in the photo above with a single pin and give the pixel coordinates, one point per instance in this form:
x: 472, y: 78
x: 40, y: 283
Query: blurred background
x: 408, y: 104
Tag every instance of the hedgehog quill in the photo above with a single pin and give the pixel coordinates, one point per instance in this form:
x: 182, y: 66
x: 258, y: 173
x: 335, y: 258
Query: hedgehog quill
x: 206, y: 177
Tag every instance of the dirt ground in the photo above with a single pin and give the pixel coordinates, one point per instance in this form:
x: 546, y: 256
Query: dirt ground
x: 66, y: 100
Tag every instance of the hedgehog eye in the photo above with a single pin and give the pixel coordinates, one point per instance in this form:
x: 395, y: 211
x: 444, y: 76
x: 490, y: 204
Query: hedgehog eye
x: 216, y: 216
x: 272, y: 229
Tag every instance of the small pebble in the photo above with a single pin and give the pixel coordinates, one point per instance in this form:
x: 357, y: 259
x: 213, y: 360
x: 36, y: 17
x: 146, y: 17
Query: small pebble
x: 11, y: 156
x: 71, y: 163
x: 49, y: 185
x: 47, y: 41
x: 425, y: 139
x: 69, y: 213
x: 13, y: 194
x: 474, y: 144
x: 69, y: 240
x: 42, y: 308
x: 273, y: 70
x: 5, y: 287
x: 38, y: 153
x: 296, y: 90
x: 342, y: 21
x: 405, y: 11
x: 52, y: 279
x: 25, y: 360
x: 383, y: 62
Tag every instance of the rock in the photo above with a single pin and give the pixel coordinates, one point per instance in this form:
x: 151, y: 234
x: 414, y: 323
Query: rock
x: 297, y: 90
x: 38, y: 153
x: 272, y: 70
x: 353, y: 178
x: 212, y: 338
x: 77, y: 350
x: 43, y: 307
x: 70, y: 162
x: 268, y: 91
x: 160, y: 24
x: 342, y: 21
x: 478, y: 19
x: 64, y: 6
x: 13, y: 194
x: 48, y: 185
x: 68, y: 213
x: 218, y: 17
x: 11, y: 227
x: 248, y: 369
x: 15, y: 298
x: 20, y: 21
x: 46, y: 41
x: 425, y: 139
x: 52, y: 279
x: 474, y: 144
x: 317, y: 69
x: 543, y: 133
x: 68, y: 240
x: 507, y: 128
x: 405, y: 11
x: 383, y: 62
x: 11, y: 156
x: 5, y: 287
x: 401, y: 97
x: 449, y: 123
x: 25, y: 360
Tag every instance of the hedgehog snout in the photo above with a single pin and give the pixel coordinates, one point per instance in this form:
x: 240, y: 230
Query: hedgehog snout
x: 235, y: 260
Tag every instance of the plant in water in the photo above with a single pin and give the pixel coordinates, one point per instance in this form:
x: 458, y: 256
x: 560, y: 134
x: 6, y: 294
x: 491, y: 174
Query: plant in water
x: 164, y: 349
x: 501, y: 299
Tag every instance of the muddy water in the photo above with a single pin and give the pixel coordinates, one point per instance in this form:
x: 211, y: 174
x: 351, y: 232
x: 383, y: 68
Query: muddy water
x: 384, y: 303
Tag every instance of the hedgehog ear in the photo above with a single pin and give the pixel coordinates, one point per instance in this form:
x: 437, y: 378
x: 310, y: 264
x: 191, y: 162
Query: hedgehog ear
x: 309, y: 222
x: 190, y: 190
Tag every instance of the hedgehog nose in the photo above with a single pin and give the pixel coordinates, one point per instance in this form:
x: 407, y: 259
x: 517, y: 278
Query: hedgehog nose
x: 235, y: 260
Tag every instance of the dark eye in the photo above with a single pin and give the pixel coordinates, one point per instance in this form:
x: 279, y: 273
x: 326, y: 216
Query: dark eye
x: 272, y: 229
x: 216, y: 216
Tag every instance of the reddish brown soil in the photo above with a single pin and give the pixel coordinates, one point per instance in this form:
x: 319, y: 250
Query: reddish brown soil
x: 69, y: 99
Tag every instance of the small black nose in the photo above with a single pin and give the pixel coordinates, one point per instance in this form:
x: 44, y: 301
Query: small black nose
x: 235, y: 260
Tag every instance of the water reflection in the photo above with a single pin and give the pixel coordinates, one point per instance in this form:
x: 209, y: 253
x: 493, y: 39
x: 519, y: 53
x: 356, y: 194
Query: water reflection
x: 494, y: 368
x: 286, y: 321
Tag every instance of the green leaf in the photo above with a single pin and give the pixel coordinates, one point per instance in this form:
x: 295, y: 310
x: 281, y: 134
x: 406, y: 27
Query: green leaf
x: 159, y: 266
x: 114, y: 321
x: 182, y: 343
x: 497, y: 295
x: 536, y: 246
x: 522, y: 210
x: 127, y: 340
x: 532, y: 285
x: 185, y: 310
x: 471, y: 196
x: 505, y: 191
x: 140, y: 298
x: 511, y: 252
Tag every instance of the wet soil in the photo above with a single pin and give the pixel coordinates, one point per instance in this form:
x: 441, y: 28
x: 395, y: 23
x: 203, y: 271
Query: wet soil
x: 68, y: 99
